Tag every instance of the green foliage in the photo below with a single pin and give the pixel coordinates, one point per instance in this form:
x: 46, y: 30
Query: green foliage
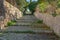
x: 29, y: 31
x: 39, y: 1
x: 42, y: 6
x: 21, y: 4
x: 54, y: 15
x: 12, y: 22
x: 50, y: 1
x: 32, y: 6
x: 58, y: 4
x: 40, y: 21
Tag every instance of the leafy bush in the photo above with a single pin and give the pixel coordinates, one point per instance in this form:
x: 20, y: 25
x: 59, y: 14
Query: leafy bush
x: 54, y: 15
x: 21, y: 4
x: 32, y: 6
x: 58, y: 4
x: 42, y: 6
x: 40, y: 21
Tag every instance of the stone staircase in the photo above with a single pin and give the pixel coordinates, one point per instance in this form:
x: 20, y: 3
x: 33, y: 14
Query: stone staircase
x: 27, y: 29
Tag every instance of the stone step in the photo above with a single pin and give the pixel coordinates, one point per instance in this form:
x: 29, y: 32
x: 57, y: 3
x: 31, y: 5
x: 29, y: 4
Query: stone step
x: 23, y: 36
x: 25, y: 20
x: 22, y: 23
x: 27, y: 28
x: 27, y: 17
x: 37, y: 25
x: 33, y: 25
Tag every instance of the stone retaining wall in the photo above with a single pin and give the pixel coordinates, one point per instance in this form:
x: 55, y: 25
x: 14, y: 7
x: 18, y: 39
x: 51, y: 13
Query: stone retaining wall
x: 8, y: 12
x: 12, y: 11
x: 49, y: 20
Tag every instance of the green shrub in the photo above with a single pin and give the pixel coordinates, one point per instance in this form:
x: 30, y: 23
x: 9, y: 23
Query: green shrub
x: 58, y: 4
x: 32, y: 6
x: 40, y: 21
x: 12, y: 22
x: 54, y: 15
x: 42, y: 6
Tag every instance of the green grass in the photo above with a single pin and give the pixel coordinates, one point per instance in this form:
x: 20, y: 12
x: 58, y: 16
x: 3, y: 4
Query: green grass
x: 18, y: 32
x: 12, y: 22
x: 39, y: 21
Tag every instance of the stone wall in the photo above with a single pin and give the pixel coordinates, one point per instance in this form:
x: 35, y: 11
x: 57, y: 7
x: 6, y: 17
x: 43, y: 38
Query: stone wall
x: 2, y: 13
x: 8, y: 12
x: 50, y: 21
x: 12, y: 11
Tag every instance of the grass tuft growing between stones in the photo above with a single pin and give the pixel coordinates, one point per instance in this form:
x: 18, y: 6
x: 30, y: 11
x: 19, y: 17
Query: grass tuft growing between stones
x: 39, y: 21
x: 12, y: 22
x: 54, y: 15
x: 18, y: 32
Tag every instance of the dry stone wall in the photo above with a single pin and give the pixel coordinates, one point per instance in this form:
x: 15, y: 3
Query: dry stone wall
x: 12, y: 11
x: 50, y: 21
x: 8, y: 12
x: 2, y: 13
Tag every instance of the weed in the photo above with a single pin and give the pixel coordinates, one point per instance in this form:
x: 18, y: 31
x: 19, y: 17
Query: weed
x: 40, y: 21
x: 12, y: 22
